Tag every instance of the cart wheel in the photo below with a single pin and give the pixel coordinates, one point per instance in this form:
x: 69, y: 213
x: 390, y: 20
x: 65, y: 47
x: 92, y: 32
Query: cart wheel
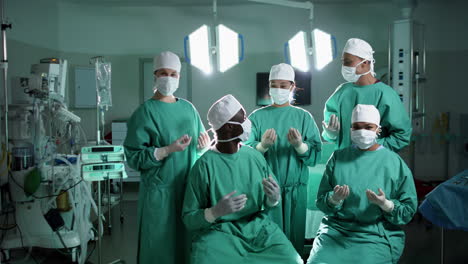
x: 74, y: 255
x: 5, y: 255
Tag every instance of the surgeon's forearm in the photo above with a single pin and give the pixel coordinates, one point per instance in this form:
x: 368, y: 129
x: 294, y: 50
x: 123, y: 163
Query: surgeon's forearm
x: 302, y: 148
x: 209, y: 216
x: 397, y: 140
x: 334, y: 202
x: 202, y: 150
x: 195, y: 220
x: 141, y: 159
x: 161, y: 153
x: 260, y: 148
x: 387, y: 206
x: 326, y: 206
x: 272, y: 202
x: 402, y: 212
x: 327, y: 137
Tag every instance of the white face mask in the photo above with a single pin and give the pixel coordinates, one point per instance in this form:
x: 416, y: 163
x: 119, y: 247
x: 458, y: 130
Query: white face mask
x: 364, y: 138
x: 246, y: 127
x: 166, y: 85
x: 280, y: 96
x: 349, y: 73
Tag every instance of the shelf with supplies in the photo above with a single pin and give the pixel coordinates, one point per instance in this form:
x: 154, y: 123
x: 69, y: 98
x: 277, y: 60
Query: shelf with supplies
x: 119, y: 132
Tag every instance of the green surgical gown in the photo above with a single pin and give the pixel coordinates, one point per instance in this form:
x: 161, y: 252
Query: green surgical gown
x: 357, y: 231
x: 290, y: 168
x: 248, y: 236
x: 162, y: 235
x: 394, y: 119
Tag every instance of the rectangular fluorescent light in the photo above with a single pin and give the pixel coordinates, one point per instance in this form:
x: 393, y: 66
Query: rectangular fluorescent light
x: 298, y: 51
x: 323, y: 48
x: 200, y: 55
x: 228, y: 47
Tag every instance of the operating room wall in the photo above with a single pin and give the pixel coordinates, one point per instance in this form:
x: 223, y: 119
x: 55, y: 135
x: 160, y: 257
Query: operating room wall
x: 124, y: 34
x: 446, y: 89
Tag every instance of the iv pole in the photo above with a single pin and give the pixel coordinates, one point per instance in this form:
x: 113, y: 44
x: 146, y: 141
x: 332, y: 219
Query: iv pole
x: 4, y: 66
x: 99, y: 110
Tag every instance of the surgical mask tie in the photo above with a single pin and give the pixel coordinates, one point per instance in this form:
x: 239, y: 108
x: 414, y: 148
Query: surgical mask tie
x: 349, y: 73
x: 246, y: 127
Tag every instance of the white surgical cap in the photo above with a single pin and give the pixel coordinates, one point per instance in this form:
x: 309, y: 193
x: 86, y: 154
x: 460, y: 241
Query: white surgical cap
x: 166, y: 60
x: 365, y: 113
x: 223, y: 110
x: 282, y: 71
x: 360, y: 48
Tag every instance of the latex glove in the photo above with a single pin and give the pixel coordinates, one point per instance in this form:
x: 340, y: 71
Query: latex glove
x: 339, y: 194
x: 268, y: 138
x: 380, y: 200
x: 272, y: 191
x: 333, y: 126
x: 203, y: 141
x: 178, y: 145
x: 226, y: 205
x: 295, y: 139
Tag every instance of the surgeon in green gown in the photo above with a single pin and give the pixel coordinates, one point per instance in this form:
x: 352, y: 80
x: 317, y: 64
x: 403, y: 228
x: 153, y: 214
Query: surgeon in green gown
x: 229, y: 190
x: 159, y: 144
x: 290, y: 141
x: 363, y: 88
x: 367, y: 192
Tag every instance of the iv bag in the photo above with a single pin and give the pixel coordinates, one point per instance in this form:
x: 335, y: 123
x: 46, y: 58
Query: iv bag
x: 103, y: 83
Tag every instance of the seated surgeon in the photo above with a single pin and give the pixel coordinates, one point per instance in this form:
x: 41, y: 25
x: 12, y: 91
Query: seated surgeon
x: 366, y: 193
x: 228, y: 193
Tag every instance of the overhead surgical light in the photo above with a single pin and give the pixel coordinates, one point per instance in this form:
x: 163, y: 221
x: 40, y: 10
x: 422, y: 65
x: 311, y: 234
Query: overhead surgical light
x: 225, y: 47
x: 228, y: 55
x: 297, y: 50
x: 200, y: 49
x: 323, y: 50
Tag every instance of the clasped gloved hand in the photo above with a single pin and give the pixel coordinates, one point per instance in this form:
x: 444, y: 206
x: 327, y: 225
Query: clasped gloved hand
x: 272, y: 191
x: 227, y: 205
x: 380, y: 200
x: 178, y: 145
x: 340, y: 193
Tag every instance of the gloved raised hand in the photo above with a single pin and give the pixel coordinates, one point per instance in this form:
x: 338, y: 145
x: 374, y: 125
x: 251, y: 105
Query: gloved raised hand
x: 333, y: 127
x: 380, y: 200
x: 179, y: 144
x: 203, y: 141
x: 295, y: 139
x: 339, y: 194
x: 272, y: 191
x: 268, y: 138
x: 228, y: 204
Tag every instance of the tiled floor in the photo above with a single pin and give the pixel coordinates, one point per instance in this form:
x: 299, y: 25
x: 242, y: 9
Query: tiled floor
x: 422, y: 244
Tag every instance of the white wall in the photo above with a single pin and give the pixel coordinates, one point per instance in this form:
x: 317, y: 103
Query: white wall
x: 126, y: 34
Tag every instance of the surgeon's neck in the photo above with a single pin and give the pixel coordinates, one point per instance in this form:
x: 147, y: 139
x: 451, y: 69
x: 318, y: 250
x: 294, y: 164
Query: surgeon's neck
x: 166, y: 99
x: 373, y: 148
x: 367, y: 79
x: 228, y: 147
x: 283, y: 105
